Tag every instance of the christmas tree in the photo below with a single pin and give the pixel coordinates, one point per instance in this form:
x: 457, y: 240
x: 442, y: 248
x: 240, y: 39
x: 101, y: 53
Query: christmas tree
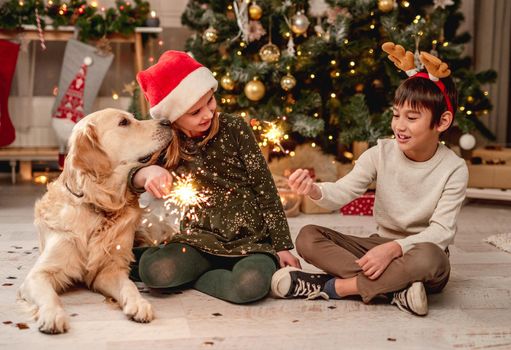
x: 313, y: 71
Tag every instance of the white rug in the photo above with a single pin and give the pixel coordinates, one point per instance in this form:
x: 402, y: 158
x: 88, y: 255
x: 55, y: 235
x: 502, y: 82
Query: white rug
x: 501, y: 241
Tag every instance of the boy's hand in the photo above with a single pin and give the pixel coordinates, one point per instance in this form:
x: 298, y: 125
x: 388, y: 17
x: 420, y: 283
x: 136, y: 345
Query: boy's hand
x: 155, y: 179
x: 301, y: 183
x: 288, y: 259
x: 377, y: 259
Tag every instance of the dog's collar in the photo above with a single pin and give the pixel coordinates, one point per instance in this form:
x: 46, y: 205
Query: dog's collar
x: 74, y: 194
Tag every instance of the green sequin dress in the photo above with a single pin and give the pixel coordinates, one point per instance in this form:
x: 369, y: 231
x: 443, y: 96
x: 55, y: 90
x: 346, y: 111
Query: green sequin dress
x: 244, y: 214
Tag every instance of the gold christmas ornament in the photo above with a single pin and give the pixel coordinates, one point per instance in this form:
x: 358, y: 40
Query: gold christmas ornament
x: 287, y: 82
x: 227, y: 82
x: 299, y: 23
x: 210, y: 35
x: 254, y: 90
x: 255, y: 12
x: 359, y: 87
x: 386, y: 5
x: 269, y: 53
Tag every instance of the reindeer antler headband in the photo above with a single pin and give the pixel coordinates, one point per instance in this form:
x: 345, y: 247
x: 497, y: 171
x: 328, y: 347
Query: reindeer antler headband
x: 437, y: 69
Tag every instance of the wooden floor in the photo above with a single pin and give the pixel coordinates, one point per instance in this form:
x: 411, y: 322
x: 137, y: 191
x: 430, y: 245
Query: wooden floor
x: 473, y: 312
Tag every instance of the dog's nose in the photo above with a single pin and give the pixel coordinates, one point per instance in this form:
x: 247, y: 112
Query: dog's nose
x: 165, y: 122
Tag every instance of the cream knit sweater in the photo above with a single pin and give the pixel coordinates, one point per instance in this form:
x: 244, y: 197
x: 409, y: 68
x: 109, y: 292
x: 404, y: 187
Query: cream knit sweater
x: 415, y: 201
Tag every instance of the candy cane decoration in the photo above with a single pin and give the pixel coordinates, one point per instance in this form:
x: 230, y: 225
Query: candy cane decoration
x: 39, y: 29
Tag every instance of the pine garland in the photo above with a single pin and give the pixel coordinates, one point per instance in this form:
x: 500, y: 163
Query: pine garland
x: 92, y: 23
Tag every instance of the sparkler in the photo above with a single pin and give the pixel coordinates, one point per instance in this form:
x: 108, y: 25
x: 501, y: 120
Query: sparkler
x: 274, y: 134
x: 185, y: 198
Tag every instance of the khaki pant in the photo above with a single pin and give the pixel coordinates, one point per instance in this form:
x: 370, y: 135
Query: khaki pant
x: 335, y: 253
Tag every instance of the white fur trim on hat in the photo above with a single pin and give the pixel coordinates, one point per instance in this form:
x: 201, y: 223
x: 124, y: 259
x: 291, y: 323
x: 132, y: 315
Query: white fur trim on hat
x: 185, y: 95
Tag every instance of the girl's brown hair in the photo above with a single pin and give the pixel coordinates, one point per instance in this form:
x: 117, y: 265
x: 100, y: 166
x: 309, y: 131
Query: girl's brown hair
x: 175, y: 150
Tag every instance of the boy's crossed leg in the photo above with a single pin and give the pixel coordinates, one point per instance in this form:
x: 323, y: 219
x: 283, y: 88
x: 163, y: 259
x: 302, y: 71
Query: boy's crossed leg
x: 335, y: 253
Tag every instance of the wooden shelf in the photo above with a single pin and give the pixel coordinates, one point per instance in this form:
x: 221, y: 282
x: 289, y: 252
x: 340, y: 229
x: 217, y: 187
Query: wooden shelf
x: 64, y: 33
x: 25, y: 155
x: 489, y: 193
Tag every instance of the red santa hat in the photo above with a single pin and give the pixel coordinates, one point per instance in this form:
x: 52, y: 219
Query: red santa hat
x: 175, y: 84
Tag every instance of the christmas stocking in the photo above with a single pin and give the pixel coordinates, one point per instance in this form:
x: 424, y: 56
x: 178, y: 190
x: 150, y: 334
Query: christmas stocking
x: 8, y: 58
x: 81, y: 76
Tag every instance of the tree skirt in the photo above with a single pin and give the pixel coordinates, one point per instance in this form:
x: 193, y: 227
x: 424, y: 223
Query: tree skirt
x: 501, y: 241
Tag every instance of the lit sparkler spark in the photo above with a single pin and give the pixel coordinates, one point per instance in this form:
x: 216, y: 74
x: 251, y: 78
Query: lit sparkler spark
x: 274, y: 134
x: 185, y: 198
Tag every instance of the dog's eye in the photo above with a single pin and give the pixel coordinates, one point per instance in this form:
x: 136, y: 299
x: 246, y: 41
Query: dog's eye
x: 124, y: 122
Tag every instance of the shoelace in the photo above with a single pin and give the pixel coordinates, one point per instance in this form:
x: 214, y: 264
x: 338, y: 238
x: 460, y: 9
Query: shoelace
x: 311, y: 290
x: 399, y: 300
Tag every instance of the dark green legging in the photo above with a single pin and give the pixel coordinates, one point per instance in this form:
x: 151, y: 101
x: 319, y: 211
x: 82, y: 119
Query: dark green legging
x: 238, y: 280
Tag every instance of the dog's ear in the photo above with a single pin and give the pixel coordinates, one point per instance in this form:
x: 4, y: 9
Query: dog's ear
x: 88, y: 156
x: 88, y: 173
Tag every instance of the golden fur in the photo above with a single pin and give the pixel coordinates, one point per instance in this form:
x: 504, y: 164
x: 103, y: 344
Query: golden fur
x: 87, y: 219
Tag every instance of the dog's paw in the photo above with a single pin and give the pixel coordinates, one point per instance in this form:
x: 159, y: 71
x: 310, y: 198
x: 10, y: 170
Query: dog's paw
x: 139, y: 310
x: 52, y: 320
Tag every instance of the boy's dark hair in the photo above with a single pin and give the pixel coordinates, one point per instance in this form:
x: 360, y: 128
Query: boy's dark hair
x: 423, y: 93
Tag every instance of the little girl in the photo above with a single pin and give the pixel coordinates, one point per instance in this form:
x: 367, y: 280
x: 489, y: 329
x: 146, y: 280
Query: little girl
x: 235, y: 243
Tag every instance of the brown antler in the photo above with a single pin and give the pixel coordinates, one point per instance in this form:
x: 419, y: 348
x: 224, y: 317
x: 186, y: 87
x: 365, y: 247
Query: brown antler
x: 403, y: 60
x: 434, y: 65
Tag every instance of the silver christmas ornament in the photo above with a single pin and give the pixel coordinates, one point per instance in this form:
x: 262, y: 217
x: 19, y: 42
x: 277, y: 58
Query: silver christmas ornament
x: 299, y: 23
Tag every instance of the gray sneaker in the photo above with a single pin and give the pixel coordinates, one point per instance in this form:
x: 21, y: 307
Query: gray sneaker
x: 290, y: 282
x: 412, y: 299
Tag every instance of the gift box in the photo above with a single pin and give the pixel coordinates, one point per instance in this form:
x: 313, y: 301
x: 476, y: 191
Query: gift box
x: 489, y: 176
x: 363, y: 205
x: 493, y: 153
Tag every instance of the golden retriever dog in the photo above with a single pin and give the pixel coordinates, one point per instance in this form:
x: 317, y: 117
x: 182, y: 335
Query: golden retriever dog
x: 87, y: 219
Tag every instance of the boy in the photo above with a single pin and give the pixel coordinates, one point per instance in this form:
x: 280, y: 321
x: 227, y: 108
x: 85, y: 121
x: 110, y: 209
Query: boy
x: 420, y: 189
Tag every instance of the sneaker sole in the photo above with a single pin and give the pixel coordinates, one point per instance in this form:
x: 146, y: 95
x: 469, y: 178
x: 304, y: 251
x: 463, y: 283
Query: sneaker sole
x: 418, y: 299
x: 279, y: 287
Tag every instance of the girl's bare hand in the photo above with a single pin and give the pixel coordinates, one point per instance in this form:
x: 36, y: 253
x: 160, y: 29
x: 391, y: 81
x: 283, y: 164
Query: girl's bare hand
x: 155, y: 179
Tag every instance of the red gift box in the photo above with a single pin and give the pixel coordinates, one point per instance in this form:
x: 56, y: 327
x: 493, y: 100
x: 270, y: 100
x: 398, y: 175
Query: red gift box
x: 363, y: 205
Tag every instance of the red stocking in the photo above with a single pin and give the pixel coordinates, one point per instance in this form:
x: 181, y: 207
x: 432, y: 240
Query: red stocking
x: 8, y: 60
